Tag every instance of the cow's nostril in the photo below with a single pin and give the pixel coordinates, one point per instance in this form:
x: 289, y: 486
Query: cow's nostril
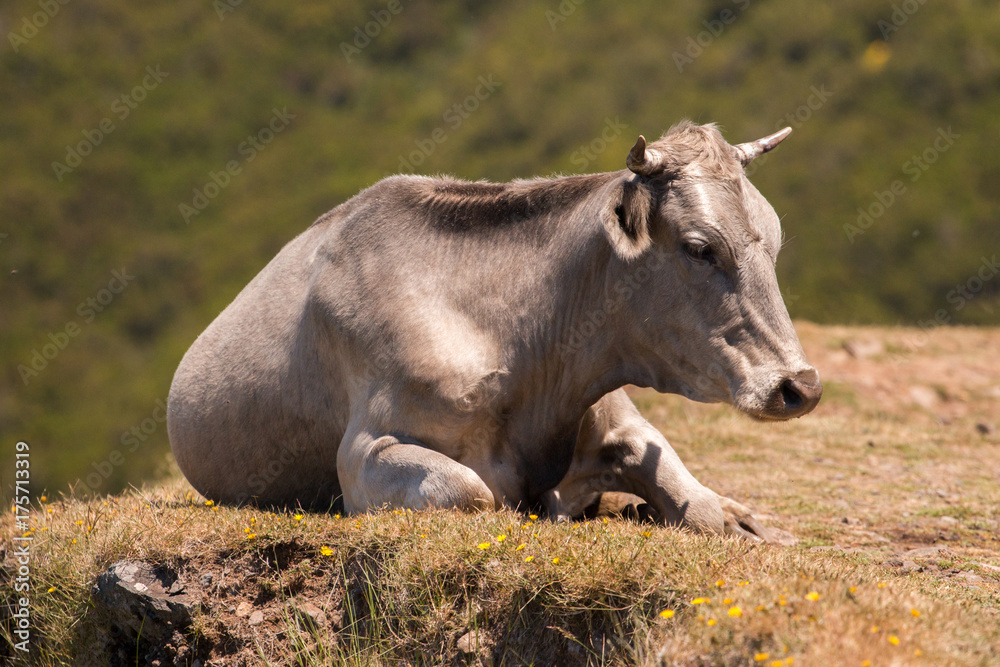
x: 790, y: 395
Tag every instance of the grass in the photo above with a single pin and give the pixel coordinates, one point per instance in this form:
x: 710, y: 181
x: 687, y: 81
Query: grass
x: 396, y: 587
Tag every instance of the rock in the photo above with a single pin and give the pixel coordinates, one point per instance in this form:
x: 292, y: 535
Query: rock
x: 925, y: 552
x: 948, y: 521
x: 244, y: 609
x: 861, y: 348
x: 469, y: 642
x: 780, y: 537
x: 311, y: 614
x: 256, y: 618
x: 142, y: 598
x: 923, y: 396
x: 206, y: 580
x: 986, y: 429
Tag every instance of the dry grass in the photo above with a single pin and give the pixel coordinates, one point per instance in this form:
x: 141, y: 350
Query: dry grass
x: 878, y: 470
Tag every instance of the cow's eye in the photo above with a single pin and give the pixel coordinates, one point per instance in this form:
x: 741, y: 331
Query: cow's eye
x: 701, y: 252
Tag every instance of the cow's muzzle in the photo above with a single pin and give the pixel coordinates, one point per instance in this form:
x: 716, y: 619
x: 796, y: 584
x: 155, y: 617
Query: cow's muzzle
x: 794, y: 396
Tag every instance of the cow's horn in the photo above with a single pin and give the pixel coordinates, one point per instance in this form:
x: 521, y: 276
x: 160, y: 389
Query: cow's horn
x: 745, y: 153
x: 641, y: 161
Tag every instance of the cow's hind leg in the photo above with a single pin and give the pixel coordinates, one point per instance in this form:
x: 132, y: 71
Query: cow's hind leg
x: 385, y: 471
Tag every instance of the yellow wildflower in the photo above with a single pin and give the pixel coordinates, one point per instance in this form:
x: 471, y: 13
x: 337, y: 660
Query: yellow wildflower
x: 647, y: 533
x: 874, y: 629
x: 720, y: 583
x: 853, y: 589
x: 812, y: 595
x: 53, y: 589
x: 866, y: 663
x: 298, y: 517
x: 484, y: 545
x: 701, y: 601
x: 775, y: 663
x: 209, y: 503
x: 743, y: 583
x: 727, y: 601
x: 252, y: 536
x: 529, y: 559
x: 43, y: 499
x: 761, y: 657
x: 326, y: 551
x: 533, y: 517
x: 667, y: 613
x: 882, y: 584
x: 555, y: 561
x: 735, y: 612
x: 501, y: 538
x: 894, y: 640
x: 712, y: 621
x: 520, y: 546
x: 915, y: 612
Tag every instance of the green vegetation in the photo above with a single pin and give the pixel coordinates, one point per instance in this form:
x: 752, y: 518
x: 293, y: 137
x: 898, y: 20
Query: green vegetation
x: 164, y: 98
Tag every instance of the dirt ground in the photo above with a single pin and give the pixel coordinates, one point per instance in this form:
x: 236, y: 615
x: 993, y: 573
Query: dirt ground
x: 900, y: 461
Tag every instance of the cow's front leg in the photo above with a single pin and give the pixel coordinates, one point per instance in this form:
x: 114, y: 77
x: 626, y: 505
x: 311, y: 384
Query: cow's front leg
x: 385, y: 471
x: 618, y: 450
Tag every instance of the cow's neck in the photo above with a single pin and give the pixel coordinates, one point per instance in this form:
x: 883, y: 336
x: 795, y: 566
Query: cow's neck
x: 573, y: 355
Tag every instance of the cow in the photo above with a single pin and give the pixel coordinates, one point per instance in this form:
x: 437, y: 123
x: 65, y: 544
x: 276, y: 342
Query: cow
x: 433, y: 342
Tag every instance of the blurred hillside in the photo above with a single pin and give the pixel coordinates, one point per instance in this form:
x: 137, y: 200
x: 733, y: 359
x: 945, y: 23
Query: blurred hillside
x: 157, y: 156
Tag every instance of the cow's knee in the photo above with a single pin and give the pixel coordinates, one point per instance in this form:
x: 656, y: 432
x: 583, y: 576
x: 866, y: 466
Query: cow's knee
x: 386, y: 472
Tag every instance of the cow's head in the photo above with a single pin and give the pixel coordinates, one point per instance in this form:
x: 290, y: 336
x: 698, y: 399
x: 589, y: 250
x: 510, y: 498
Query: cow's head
x: 698, y: 245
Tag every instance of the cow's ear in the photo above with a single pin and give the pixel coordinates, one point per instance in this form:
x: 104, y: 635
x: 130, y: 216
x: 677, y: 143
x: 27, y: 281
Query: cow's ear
x: 626, y: 219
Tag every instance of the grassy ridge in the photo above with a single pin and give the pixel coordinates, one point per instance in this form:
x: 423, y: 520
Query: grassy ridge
x: 407, y: 586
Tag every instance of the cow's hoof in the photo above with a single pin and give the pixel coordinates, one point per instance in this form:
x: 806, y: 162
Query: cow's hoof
x: 739, y: 520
